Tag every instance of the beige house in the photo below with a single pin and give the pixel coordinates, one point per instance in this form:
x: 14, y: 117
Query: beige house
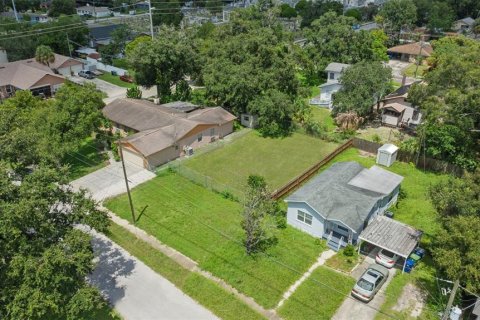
x: 162, y: 133
x: 410, y: 51
x: 397, y: 112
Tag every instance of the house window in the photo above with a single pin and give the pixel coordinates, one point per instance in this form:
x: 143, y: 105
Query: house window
x: 176, y: 147
x: 342, y: 228
x: 332, y: 76
x: 212, y: 131
x: 246, y: 118
x: 304, y: 217
x: 199, y: 137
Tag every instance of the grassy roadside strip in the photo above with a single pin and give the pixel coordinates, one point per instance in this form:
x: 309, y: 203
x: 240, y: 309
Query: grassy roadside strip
x: 222, y: 303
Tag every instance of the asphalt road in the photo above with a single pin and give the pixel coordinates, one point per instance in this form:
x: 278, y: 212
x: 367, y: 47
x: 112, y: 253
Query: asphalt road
x: 136, y: 291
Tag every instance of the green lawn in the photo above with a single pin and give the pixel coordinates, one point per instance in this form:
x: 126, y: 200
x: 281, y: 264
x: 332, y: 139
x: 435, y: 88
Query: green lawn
x: 416, y: 209
x: 107, y: 76
x: 410, y: 70
x: 86, y: 160
x: 278, y: 160
x: 342, y: 262
x: 315, y: 301
x: 323, y: 115
x: 222, y: 303
x: 206, y: 227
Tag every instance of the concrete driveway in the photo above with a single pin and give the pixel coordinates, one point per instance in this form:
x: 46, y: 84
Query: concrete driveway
x: 113, y: 91
x: 397, y: 71
x: 109, y: 181
x: 356, y: 309
x: 135, y: 290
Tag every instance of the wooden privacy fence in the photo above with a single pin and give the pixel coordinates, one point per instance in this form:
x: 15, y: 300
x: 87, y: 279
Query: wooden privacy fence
x: 420, y: 161
x: 277, y: 194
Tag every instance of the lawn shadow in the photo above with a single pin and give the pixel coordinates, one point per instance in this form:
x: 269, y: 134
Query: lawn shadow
x: 111, y: 264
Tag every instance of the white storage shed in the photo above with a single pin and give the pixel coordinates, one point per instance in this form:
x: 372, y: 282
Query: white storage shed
x: 387, y: 154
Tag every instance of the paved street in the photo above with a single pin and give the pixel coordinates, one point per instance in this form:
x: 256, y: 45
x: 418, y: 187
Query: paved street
x: 108, y: 182
x: 113, y: 91
x: 355, y: 309
x: 136, y: 291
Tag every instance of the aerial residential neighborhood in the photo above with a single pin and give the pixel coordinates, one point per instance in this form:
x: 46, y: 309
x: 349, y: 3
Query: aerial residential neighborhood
x: 237, y: 160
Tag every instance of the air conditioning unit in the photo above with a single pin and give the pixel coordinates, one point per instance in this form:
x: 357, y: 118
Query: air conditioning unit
x: 188, y: 151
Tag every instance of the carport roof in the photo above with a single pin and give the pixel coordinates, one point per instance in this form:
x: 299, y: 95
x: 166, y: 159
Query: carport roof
x: 391, y: 235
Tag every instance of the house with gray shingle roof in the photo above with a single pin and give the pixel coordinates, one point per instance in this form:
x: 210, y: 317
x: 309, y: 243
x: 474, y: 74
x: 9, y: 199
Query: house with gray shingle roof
x: 339, y: 203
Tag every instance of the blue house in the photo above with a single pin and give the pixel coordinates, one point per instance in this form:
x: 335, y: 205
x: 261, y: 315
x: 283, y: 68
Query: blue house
x: 339, y: 203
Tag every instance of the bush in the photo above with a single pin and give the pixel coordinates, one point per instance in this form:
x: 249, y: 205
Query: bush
x: 228, y: 195
x: 315, y: 128
x: 349, y: 250
x: 134, y: 93
x: 376, y: 138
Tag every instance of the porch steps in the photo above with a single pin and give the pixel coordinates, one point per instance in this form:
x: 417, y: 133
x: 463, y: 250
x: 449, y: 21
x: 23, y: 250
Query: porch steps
x: 333, y: 243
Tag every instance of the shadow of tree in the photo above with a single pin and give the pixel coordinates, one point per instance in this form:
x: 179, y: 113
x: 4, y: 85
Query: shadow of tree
x: 111, y: 264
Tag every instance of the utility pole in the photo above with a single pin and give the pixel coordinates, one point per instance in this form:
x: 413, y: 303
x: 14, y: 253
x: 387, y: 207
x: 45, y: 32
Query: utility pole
x: 126, y: 182
x: 68, y: 44
x: 446, y: 314
x: 15, y: 10
x: 419, y: 55
x: 150, y: 15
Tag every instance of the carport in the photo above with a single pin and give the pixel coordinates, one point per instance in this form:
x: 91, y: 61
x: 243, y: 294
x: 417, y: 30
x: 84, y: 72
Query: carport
x: 391, y: 235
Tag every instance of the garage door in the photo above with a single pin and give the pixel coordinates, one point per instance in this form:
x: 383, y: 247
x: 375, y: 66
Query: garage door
x: 132, y: 157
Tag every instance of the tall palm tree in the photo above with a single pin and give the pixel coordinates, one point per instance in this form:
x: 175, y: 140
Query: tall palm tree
x: 44, y: 55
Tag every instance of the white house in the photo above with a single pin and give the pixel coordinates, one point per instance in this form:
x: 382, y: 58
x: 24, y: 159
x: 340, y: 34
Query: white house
x: 334, y: 72
x: 97, y: 12
x: 464, y: 25
x: 339, y: 203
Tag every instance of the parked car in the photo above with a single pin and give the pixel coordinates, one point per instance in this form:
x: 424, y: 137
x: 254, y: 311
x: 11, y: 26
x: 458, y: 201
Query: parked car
x: 126, y: 78
x: 386, y: 258
x: 86, y: 74
x: 370, y: 282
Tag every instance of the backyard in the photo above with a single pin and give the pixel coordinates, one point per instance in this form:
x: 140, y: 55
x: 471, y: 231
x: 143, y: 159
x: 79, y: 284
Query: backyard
x: 205, y: 226
x: 278, y: 160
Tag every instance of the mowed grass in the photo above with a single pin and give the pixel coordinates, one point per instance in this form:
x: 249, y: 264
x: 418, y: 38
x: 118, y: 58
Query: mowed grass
x: 323, y: 115
x: 416, y: 209
x: 342, y: 262
x: 279, y: 160
x: 222, y: 303
x: 86, y: 160
x: 410, y: 70
x: 315, y: 301
x: 206, y: 227
x: 108, y: 77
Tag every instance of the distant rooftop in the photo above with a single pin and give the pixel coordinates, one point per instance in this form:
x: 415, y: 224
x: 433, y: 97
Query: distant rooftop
x: 336, y: 67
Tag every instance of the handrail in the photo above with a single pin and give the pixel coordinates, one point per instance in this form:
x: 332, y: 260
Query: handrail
x: 340, y: 243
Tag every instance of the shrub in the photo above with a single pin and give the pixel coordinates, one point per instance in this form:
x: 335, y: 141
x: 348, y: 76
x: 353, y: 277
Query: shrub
x: 376, y: 138
x: 228, y: 195
x: 134, y: 93
x: 349, y: 250
x: 315, y: 128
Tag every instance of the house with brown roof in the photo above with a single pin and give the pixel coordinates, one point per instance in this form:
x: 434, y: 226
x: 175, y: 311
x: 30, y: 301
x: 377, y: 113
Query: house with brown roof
x: 410, y: 51
x: 397, y: 112
x: 161, y: 133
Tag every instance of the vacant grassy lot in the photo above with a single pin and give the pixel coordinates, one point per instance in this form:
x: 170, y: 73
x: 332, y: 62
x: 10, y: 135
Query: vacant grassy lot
x: 416, y: 209
x: 206, y: 227
x: 86, y: 160
x: 278, y: 160
x: 222, y: 303
x: 410, y: 70
x: 107, y: 76
x: 315, y: 301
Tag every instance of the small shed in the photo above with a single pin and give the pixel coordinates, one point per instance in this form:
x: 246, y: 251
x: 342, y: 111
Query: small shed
x: 249, y: 120
x: 387, y: 154
x: 391, y: 235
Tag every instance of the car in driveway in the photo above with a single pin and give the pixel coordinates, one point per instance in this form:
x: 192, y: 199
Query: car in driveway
x: 86, y: 74
x: 370, y: 282
x: 386, y: 258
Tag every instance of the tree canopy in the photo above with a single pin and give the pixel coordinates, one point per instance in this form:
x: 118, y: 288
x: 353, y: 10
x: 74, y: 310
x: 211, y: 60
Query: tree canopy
x: 398, y: 14
x: 363, y: 85
x: 451, y: 102
x: 332, y: 39
x: 247, y: 58
x: 163, y: 62
x: 312, y: 10
x: 59, y: 7
x: 44, y: 55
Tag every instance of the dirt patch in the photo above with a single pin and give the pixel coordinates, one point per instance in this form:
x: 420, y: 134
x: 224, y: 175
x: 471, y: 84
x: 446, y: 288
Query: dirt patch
x: 412, y: 299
